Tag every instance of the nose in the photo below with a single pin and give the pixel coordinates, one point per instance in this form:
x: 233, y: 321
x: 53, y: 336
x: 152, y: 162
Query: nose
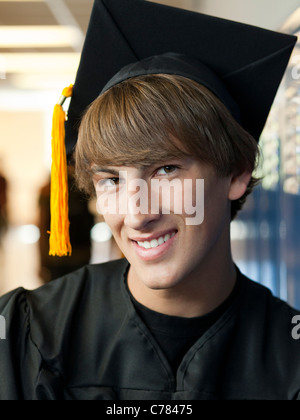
x: 139, y: 221
x: 139, y: 215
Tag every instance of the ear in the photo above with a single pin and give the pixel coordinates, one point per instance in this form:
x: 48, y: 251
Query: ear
x: 238, y: 185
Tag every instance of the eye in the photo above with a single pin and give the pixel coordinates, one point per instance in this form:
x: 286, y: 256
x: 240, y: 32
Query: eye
x: 109, y: 182
x: 166, y: 170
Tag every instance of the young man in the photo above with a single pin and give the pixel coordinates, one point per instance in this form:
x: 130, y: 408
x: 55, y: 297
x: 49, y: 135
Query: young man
x: 175, y: 319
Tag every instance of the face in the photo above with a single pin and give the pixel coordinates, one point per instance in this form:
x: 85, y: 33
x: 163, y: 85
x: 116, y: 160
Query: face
x: 165, y: 244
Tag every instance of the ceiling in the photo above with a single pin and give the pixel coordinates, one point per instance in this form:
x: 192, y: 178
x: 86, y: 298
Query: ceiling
x: 31, y: 66
x: 46, y: 12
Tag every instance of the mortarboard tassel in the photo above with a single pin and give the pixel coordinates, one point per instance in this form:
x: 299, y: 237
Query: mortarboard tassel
x: 59, y: 230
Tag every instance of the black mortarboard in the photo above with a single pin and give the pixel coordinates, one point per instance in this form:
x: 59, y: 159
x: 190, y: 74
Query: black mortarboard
x: 242, y: 64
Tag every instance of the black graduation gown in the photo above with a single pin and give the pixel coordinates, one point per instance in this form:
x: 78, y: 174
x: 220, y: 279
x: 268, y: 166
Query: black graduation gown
x: 80, y: 338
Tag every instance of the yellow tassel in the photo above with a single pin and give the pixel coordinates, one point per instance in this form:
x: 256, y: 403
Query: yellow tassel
x: 59, y: 230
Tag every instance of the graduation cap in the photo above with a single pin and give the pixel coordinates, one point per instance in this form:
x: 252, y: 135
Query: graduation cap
x: 241, y: 64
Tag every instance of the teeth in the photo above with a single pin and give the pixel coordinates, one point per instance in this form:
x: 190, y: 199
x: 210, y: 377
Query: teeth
x: 160, y: 240
x: 155, y: 242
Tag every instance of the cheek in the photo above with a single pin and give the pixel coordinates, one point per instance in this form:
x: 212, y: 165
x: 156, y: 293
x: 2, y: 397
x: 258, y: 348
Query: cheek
x: 106, y: 203
x: 115, y: 223
x: 216, y: 217
x: 216, y: 198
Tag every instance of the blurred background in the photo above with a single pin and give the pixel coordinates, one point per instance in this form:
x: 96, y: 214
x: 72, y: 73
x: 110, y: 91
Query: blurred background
x: 40, y: 44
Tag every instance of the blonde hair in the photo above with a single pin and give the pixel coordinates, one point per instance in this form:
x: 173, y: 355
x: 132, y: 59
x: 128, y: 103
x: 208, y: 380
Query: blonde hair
x: 150, y: 119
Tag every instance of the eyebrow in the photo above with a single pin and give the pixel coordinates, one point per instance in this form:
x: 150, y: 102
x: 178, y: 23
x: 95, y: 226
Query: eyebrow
x: 97, y: 169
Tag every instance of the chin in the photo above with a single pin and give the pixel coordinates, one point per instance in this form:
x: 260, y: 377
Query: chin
x: 159, y: 280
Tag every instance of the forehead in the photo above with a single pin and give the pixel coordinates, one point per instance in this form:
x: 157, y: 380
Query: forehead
x: 140, y: 156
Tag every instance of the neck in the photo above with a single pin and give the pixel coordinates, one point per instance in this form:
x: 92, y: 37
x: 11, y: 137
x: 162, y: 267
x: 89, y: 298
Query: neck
x: 196, y: 295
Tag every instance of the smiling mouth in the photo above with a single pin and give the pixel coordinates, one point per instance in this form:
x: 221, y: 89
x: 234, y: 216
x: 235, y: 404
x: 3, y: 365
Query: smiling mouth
x: 154, y: 243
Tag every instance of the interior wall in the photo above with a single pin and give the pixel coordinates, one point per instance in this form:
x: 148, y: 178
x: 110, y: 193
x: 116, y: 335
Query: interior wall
x: 269, y: 14
x: 22, y: 153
